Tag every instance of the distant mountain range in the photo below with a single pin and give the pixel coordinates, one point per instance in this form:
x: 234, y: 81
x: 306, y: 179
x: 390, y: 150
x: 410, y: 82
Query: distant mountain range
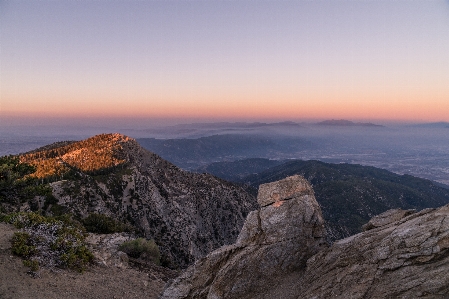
x: 191, y: 153
x: 348, y: 194
x: 418, y: 151
x: 440, y: 124
x: 197, y: 130
x: 346, y: 123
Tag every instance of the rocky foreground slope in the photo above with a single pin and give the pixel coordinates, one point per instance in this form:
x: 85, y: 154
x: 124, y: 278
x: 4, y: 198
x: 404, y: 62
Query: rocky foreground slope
x: 280, y: 254
x: 109, y: 278
x: 187, y: 214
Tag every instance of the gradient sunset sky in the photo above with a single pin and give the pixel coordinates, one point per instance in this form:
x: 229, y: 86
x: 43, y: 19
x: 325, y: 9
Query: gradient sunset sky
x: 225, y: 60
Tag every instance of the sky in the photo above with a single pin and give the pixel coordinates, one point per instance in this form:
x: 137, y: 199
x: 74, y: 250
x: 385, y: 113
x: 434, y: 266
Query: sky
x: 224, y: 60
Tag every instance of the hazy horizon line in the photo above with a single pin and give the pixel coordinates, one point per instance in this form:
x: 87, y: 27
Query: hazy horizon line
x: 139, y: 122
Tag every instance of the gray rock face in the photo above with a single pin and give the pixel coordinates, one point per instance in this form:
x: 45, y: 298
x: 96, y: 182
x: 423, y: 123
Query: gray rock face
x: 105, y: 249
x: 386, y: 218
x: 404, y: 259
x: 281, y: 190
x: 275, y: 240
x: 403, y: 254
x: 187, y: 214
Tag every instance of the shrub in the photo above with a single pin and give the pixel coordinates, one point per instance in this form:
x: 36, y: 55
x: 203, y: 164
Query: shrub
x: 50, y: 200
x: 22, y: 245
x: 49, y: 241
x: 3, y: 216
x: 102, y: 224
x: 77, y: 258
x: 16, y: 184
x: 143, y: 249
x: 22, y: 220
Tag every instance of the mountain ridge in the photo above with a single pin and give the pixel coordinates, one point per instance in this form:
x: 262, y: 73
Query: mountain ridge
x: 346, y: 123
x: 187, y: 214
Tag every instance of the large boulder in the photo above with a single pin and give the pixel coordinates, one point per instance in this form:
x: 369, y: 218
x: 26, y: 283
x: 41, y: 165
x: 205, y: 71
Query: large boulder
x: 275, y: 240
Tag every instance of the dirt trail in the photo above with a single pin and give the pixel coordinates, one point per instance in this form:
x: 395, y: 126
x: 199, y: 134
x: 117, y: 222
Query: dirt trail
x: 97, y: 282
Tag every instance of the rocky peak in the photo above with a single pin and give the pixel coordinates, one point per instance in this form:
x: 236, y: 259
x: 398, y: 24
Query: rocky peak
x: 187, y: 214
x: 275, y: 240
x: 92, y: 154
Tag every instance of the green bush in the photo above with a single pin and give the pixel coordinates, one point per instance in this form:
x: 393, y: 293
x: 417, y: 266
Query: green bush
x: 22, y: 245
x: 77, y: 258
x: 16, y: 186
x: 58, y: 210
x: 102, y: 224
x: 22, y: 220
x: 49, y: 241
x: 3, y: 216
x: 143, y: 249
x: 50, y: 200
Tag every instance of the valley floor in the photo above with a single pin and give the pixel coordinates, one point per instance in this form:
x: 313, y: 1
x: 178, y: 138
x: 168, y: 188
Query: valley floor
x: 97, y: 282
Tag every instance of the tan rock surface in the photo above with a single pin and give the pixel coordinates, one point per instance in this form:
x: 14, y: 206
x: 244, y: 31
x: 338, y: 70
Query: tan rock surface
x: 289, y: 187
x: 274, y: 241
x: 405, y: 254
x: 105, y: 249
x: 405, y: 259
x: 408, y: 258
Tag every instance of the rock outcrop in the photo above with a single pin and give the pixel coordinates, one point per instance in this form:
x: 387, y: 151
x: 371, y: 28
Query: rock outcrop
x: 275, y: 240
x: 407, y: 258
x: 104, y: 247
x: 387, y: 217
x: 402, y: 254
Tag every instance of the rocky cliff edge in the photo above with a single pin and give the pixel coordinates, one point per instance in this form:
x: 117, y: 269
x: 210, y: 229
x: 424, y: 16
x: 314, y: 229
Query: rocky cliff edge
x: 275, y: 240
x: 280, y: 253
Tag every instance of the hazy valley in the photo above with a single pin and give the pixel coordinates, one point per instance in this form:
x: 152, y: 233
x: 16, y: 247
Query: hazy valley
x: 419, y: 149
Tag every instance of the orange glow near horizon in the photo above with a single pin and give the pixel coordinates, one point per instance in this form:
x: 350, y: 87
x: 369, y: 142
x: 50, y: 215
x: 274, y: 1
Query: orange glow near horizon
x: 399, y: 107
